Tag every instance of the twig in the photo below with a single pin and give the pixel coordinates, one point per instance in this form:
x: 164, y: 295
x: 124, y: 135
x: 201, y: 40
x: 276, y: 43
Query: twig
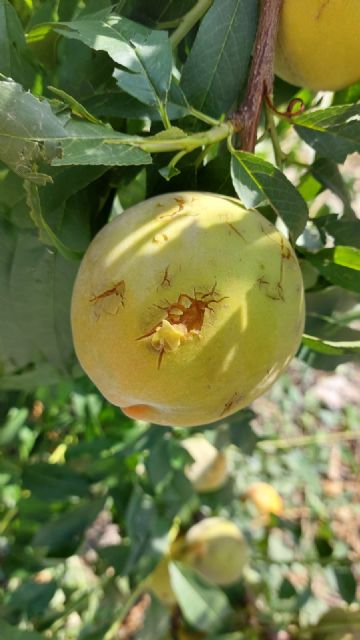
x: 260, y: 83
x: 304, y: 441
x: 189, y: 20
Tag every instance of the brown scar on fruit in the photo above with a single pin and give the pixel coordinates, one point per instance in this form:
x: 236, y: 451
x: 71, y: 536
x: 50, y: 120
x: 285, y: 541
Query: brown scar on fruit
x: 166, y: 282
x: 232, y: 226
x: 180, y: 206
x: 118, y: 291
x: 183, y: 320
x: 261, y: 281
x: 234, y: 400
x: 321, y: 9
x: 285, y: 254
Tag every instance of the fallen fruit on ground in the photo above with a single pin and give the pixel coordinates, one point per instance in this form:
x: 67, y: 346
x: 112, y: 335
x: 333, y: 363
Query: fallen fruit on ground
x: 216, y: 548
x: 266, y: 499
x: 187, y: 307
x: 318, y: 43
x: 208, y: 472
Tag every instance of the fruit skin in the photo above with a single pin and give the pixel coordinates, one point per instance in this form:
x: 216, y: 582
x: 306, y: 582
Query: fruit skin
x: 216, y: 548
x: 208, y: 472
x: 266, y: 499
x: 318, y: 44
x: 187, y: 307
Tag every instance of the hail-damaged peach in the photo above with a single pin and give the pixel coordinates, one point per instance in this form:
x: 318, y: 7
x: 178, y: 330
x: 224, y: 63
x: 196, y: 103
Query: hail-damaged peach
x: 186, y: 308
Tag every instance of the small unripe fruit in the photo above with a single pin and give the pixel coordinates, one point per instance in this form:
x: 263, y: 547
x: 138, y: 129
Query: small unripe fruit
x: 216, y: 548
x: 266, y: 499
x: 208, y: 472
x: 318, y: 43
x: 187, y: 307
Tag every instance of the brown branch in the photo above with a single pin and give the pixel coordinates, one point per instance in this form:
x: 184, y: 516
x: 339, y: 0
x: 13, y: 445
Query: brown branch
x: 260, y: 83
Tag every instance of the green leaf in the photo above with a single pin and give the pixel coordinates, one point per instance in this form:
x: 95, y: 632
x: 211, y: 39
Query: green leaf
x: 9, y: 632
x: 46, y: 234
x: 257, y: 181
x: 28, y: 131
x: 327, y: 173
x: 76, y: 107
x: 144, y: 55
x: 332, y: 132
x: 93, y: 144
x: 13, y: 54
x: 331, y: 347
x: 53, y: 482
x: 35, y: 291
x: 339, y: 265
x: 217, y: 65
x: 32, y: 598
x: 203, y: 605
x: 346, y: 583
x: 15, y: 419
x: 66, y: 530
x: 345, y: 232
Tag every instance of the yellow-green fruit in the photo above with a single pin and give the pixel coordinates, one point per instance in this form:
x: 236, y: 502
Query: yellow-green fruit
x: 186, y: 307
x: 208, y: 472
x: 216, y: 548
x: 318, y: 43
x: 159, y: 583
x: 266, y: 498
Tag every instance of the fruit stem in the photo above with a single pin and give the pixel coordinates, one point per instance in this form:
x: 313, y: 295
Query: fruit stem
x: 189, y: 20
x: 157, y: 144
x: 260, y: 83
x: 278, y: 154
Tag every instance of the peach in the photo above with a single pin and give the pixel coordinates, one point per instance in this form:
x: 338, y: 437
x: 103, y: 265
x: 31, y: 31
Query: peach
x: 187, y: 307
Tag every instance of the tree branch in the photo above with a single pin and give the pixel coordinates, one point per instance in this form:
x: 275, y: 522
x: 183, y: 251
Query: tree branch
x: 260, y: 83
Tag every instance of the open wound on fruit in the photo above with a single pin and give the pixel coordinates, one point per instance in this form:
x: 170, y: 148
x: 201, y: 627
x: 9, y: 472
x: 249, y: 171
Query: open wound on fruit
x: 109, y: 300
x: 184, y: 319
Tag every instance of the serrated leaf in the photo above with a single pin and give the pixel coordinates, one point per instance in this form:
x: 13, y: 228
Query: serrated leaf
x: 333, y: 132
x: 144, y: 55
x: 93, y: 144
x: 217, y: 65
x: 28, y: 131
x: 331, y: 347
x: 203, y: 605
x: 339, y: 265
x: 257, y: 181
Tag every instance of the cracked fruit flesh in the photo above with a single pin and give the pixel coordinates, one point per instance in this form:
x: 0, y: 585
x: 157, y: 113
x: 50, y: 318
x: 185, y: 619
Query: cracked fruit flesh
x: 318, y: 44
x: 187, y: 307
